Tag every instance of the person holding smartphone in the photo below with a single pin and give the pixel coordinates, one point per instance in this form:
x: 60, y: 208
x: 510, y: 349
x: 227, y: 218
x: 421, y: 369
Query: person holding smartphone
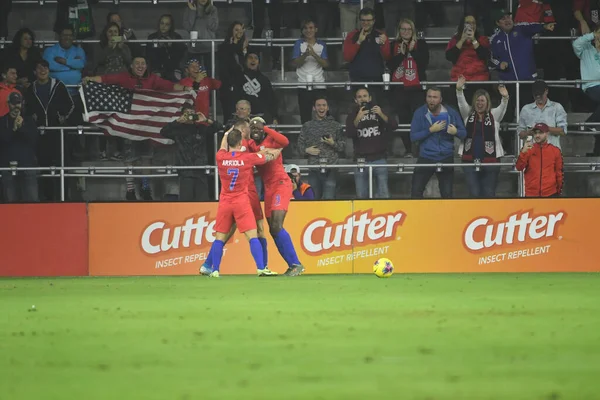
x: 469, y: 52
x: 369, y: 128
x: 190, y: 133
x: 542, y: 163
x: 112, y: 54
x: 322, y: 140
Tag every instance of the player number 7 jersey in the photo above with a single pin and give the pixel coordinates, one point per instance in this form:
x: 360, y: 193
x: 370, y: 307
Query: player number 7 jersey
x: 235, y: 172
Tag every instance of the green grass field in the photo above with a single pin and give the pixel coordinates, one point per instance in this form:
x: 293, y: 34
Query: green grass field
x: 488, y: 336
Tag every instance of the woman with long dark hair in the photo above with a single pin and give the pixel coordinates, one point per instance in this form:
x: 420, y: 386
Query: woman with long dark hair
x: 24, y: 55
x: 469, y: 52
x: 113, y: 55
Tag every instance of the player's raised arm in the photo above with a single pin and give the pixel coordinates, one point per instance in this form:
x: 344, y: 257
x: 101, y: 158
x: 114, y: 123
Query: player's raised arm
x: 259, y: 130
x: 224, y: 145
x: 279, y: 138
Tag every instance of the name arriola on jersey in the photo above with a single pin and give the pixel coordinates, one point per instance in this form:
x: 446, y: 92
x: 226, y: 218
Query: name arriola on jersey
x: 232, y: 163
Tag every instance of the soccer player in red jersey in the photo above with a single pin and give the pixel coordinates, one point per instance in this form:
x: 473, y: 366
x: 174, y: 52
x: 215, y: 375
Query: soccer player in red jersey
x: 235, y: 170
x: 278, y: 191
x: 206, y: 268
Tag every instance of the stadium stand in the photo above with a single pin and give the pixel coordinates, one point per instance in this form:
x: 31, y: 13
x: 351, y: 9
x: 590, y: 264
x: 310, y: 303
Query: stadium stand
x: 87, y: 178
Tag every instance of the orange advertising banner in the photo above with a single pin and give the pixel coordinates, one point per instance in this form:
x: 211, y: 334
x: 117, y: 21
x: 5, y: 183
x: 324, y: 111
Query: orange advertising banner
x: 427, y: 236
x: 520, y: 235
x: 175, y: 238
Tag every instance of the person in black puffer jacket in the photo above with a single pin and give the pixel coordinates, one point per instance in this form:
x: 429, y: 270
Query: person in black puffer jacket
x: 190, y: 132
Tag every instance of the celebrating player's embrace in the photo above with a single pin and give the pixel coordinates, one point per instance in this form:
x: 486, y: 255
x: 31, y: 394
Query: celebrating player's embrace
x: 239, y: 202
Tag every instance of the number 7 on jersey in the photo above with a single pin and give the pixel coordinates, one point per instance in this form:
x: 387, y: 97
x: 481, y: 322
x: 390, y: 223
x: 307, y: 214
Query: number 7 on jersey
x: 235, y: 172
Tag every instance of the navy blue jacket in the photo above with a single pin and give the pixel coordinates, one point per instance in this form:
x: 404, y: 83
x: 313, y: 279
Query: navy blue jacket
x: 516, y: 49
x: 18, y: 145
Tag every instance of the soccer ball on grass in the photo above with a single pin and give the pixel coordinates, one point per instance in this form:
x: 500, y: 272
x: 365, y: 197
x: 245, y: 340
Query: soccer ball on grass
x: 383, y: 268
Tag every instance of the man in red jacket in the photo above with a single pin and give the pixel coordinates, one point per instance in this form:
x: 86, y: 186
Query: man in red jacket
x: 542, y: 163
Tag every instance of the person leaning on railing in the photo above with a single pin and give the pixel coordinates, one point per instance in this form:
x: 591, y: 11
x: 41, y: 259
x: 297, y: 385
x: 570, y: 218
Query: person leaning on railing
x: 587, y: 48
x: 482, y: 144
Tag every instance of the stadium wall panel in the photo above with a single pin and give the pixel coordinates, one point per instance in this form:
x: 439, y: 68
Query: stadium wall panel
x: 428, y: 236
x: 43, y: 240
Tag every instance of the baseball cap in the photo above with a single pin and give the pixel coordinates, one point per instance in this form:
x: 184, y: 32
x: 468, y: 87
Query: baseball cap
x: 289, y: 168
x: 498, y: 13
x: 15, y: 98
x: 191, y: 61
x: 541, y: 127
x: 539, y: 87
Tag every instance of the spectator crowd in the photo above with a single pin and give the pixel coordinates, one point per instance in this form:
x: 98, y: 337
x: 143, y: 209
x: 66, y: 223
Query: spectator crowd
x: 382, y: 44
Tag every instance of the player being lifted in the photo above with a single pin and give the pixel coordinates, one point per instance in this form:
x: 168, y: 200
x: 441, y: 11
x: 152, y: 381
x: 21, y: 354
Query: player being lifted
x: 235, y: 170
x: 278, y: 191
x: 254, y: 199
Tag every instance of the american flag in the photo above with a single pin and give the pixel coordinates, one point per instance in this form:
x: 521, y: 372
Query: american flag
x: 132, y: 114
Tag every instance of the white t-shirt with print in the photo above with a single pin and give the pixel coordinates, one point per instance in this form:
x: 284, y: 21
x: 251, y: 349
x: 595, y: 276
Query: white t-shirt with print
x: 310, y: 66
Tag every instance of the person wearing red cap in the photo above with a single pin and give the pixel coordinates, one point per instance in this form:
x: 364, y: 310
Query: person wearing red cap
x: 542, y: 163
x: 198, y: 79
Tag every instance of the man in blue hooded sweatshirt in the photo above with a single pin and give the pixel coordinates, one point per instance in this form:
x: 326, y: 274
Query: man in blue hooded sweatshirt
x: 434, y: 127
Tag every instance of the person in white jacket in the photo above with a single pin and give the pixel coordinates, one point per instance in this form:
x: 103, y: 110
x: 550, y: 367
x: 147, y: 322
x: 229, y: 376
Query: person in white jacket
x: 482, y: 144
x: 587, y: 48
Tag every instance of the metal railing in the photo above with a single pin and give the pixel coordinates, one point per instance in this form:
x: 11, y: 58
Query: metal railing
x: 128, y: 171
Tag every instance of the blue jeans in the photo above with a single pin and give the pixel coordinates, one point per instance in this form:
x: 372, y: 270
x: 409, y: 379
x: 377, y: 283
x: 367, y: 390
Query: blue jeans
x: 22, y: 187
x: 482, y: 183
x: 421, y: 177
x: 380, y: 175
x: 323, y: 184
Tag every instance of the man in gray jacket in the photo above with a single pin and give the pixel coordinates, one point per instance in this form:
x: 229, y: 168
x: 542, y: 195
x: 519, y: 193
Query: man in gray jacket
x: 322, y: 139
